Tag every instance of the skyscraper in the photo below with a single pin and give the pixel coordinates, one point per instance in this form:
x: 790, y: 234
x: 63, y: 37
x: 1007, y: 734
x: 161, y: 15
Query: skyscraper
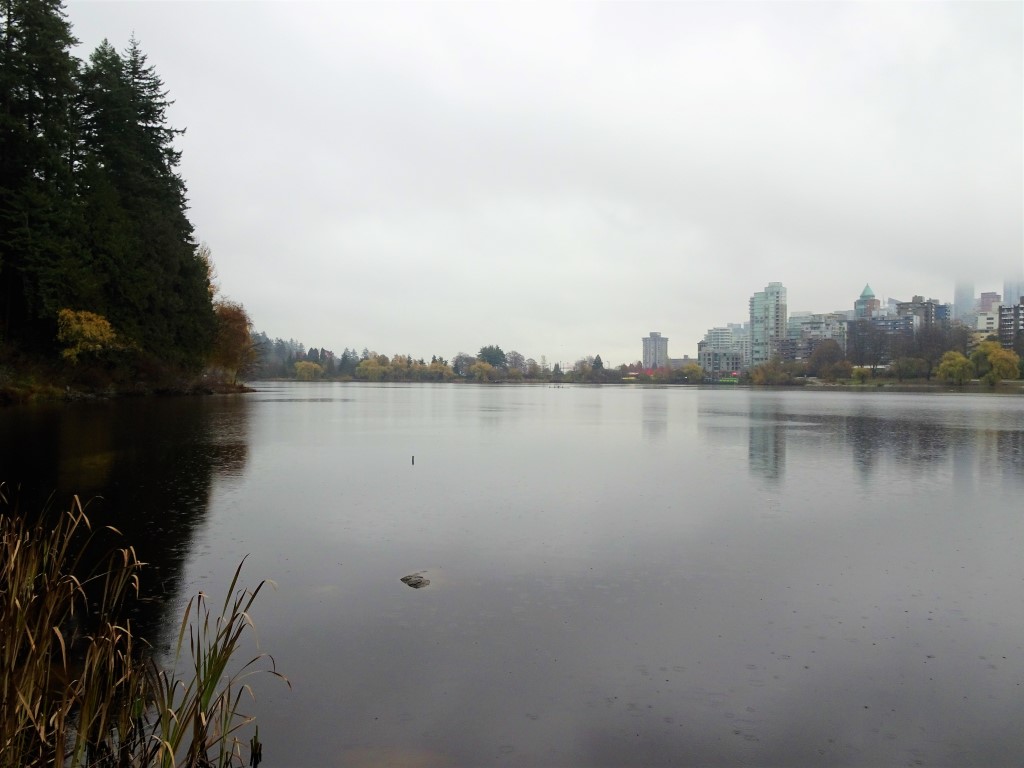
x: 963, y: 299
x: 989, y: 301
x: 655, y: 351
x: 1013, y: 290
x: 768, y: 313
x: 867, y: 306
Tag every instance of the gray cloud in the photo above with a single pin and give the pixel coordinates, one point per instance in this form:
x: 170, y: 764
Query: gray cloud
x: 563, y: 178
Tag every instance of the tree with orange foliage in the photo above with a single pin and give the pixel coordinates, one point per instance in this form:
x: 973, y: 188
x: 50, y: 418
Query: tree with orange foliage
x: 233, y: 349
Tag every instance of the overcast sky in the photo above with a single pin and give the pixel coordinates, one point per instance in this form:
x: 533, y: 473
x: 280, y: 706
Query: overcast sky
x: 563, y: 178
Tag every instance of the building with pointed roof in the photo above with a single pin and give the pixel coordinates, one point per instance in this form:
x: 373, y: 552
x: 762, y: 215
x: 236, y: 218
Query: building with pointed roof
x: 867, y: 306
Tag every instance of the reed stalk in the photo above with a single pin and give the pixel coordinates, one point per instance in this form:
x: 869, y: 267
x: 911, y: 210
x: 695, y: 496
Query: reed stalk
x: 78, y: 689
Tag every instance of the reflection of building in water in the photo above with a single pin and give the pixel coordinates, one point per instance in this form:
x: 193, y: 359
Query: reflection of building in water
x: 654, y: 413
x: 766, y: 449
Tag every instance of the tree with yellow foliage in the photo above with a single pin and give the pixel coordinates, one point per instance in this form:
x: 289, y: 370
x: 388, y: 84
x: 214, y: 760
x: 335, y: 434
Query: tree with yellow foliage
x: 993, y: 364
x: 308, y: 371
x: 85, y: 333
x: 955, y: 368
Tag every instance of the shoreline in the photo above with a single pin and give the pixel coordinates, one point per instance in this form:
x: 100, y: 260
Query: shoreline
x: 33, y: 391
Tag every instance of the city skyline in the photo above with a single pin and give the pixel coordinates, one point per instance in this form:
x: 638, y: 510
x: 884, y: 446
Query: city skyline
x: 764, y: 308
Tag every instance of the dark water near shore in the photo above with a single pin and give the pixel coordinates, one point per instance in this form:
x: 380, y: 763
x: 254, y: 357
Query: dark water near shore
x: 619, y: 577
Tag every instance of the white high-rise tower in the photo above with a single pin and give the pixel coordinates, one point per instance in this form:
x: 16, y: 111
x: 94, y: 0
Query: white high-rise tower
x: 768, y: 314
x: 655, y: 351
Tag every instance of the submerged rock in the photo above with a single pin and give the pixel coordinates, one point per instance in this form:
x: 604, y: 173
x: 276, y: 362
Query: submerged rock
x: 415, y: 580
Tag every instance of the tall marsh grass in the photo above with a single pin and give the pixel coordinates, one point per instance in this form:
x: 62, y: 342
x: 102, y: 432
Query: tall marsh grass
x: 78, y: 689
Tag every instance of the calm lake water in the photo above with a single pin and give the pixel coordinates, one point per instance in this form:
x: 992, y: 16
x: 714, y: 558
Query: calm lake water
x: 619, y: 576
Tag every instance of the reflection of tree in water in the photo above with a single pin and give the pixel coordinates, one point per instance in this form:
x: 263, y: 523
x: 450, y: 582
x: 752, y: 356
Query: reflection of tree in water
x: 146, y: 465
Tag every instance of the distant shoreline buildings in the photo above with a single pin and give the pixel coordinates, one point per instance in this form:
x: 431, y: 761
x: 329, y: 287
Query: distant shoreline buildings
x: 869, y: 331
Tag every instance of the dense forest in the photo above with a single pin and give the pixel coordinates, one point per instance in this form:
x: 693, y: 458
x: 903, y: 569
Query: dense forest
x: 99, y: 264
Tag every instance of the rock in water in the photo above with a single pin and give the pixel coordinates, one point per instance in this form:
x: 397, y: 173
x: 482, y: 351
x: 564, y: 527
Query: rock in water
x: 415, y: 580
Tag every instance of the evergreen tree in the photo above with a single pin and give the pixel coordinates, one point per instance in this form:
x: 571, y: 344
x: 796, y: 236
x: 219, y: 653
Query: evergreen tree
x: 92, y: 207
x: 37, y: 90
x: 154, y: 284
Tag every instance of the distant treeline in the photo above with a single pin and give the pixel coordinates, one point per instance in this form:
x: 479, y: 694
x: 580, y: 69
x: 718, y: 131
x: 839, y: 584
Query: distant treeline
x: 949, y: 355
x: 98, y: 259
x: 280, y: 359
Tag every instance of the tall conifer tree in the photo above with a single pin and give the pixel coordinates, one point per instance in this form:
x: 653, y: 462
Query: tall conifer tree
x: 93, y: 211
x: 37, y: 89
x: 156, y: 288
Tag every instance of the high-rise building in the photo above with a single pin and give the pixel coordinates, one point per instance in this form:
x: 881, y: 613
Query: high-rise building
x: 1011, y: 324
x: 768, y: 313
x: 719, y: 338
x: 867, y: 306
x: 741, y: 339
x: 719, y: 354
x: 795, y: 322
x: 655, y: 351
x: 808, y: 330
x: 963, y: 300
x: 989, y: 301
x: 926, y: 310
x: 1013, y: 290
x: 873, y: 341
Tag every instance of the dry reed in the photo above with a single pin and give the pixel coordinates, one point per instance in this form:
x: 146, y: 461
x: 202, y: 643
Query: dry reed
x: 79, y: 690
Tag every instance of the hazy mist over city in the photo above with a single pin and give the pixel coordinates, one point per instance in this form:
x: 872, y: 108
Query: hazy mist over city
x: 563, y: 178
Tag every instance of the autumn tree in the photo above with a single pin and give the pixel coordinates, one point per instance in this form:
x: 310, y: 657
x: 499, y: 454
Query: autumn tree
x: 515, y: 361
x: 993, y: 364
x: 775, y: 373
x: 461, y: 364
x: 1003, y: 364
x: 85, y: 333
x: 371, y: 369
x: 307, y: 371
x: 439, y: 370
x: 955, y: 368
x: 909, y: 368
x: 234, y: 350
x: 825, y: 360
x: 933, y: 341
x: 693, y: 373
x: 483, y: 371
